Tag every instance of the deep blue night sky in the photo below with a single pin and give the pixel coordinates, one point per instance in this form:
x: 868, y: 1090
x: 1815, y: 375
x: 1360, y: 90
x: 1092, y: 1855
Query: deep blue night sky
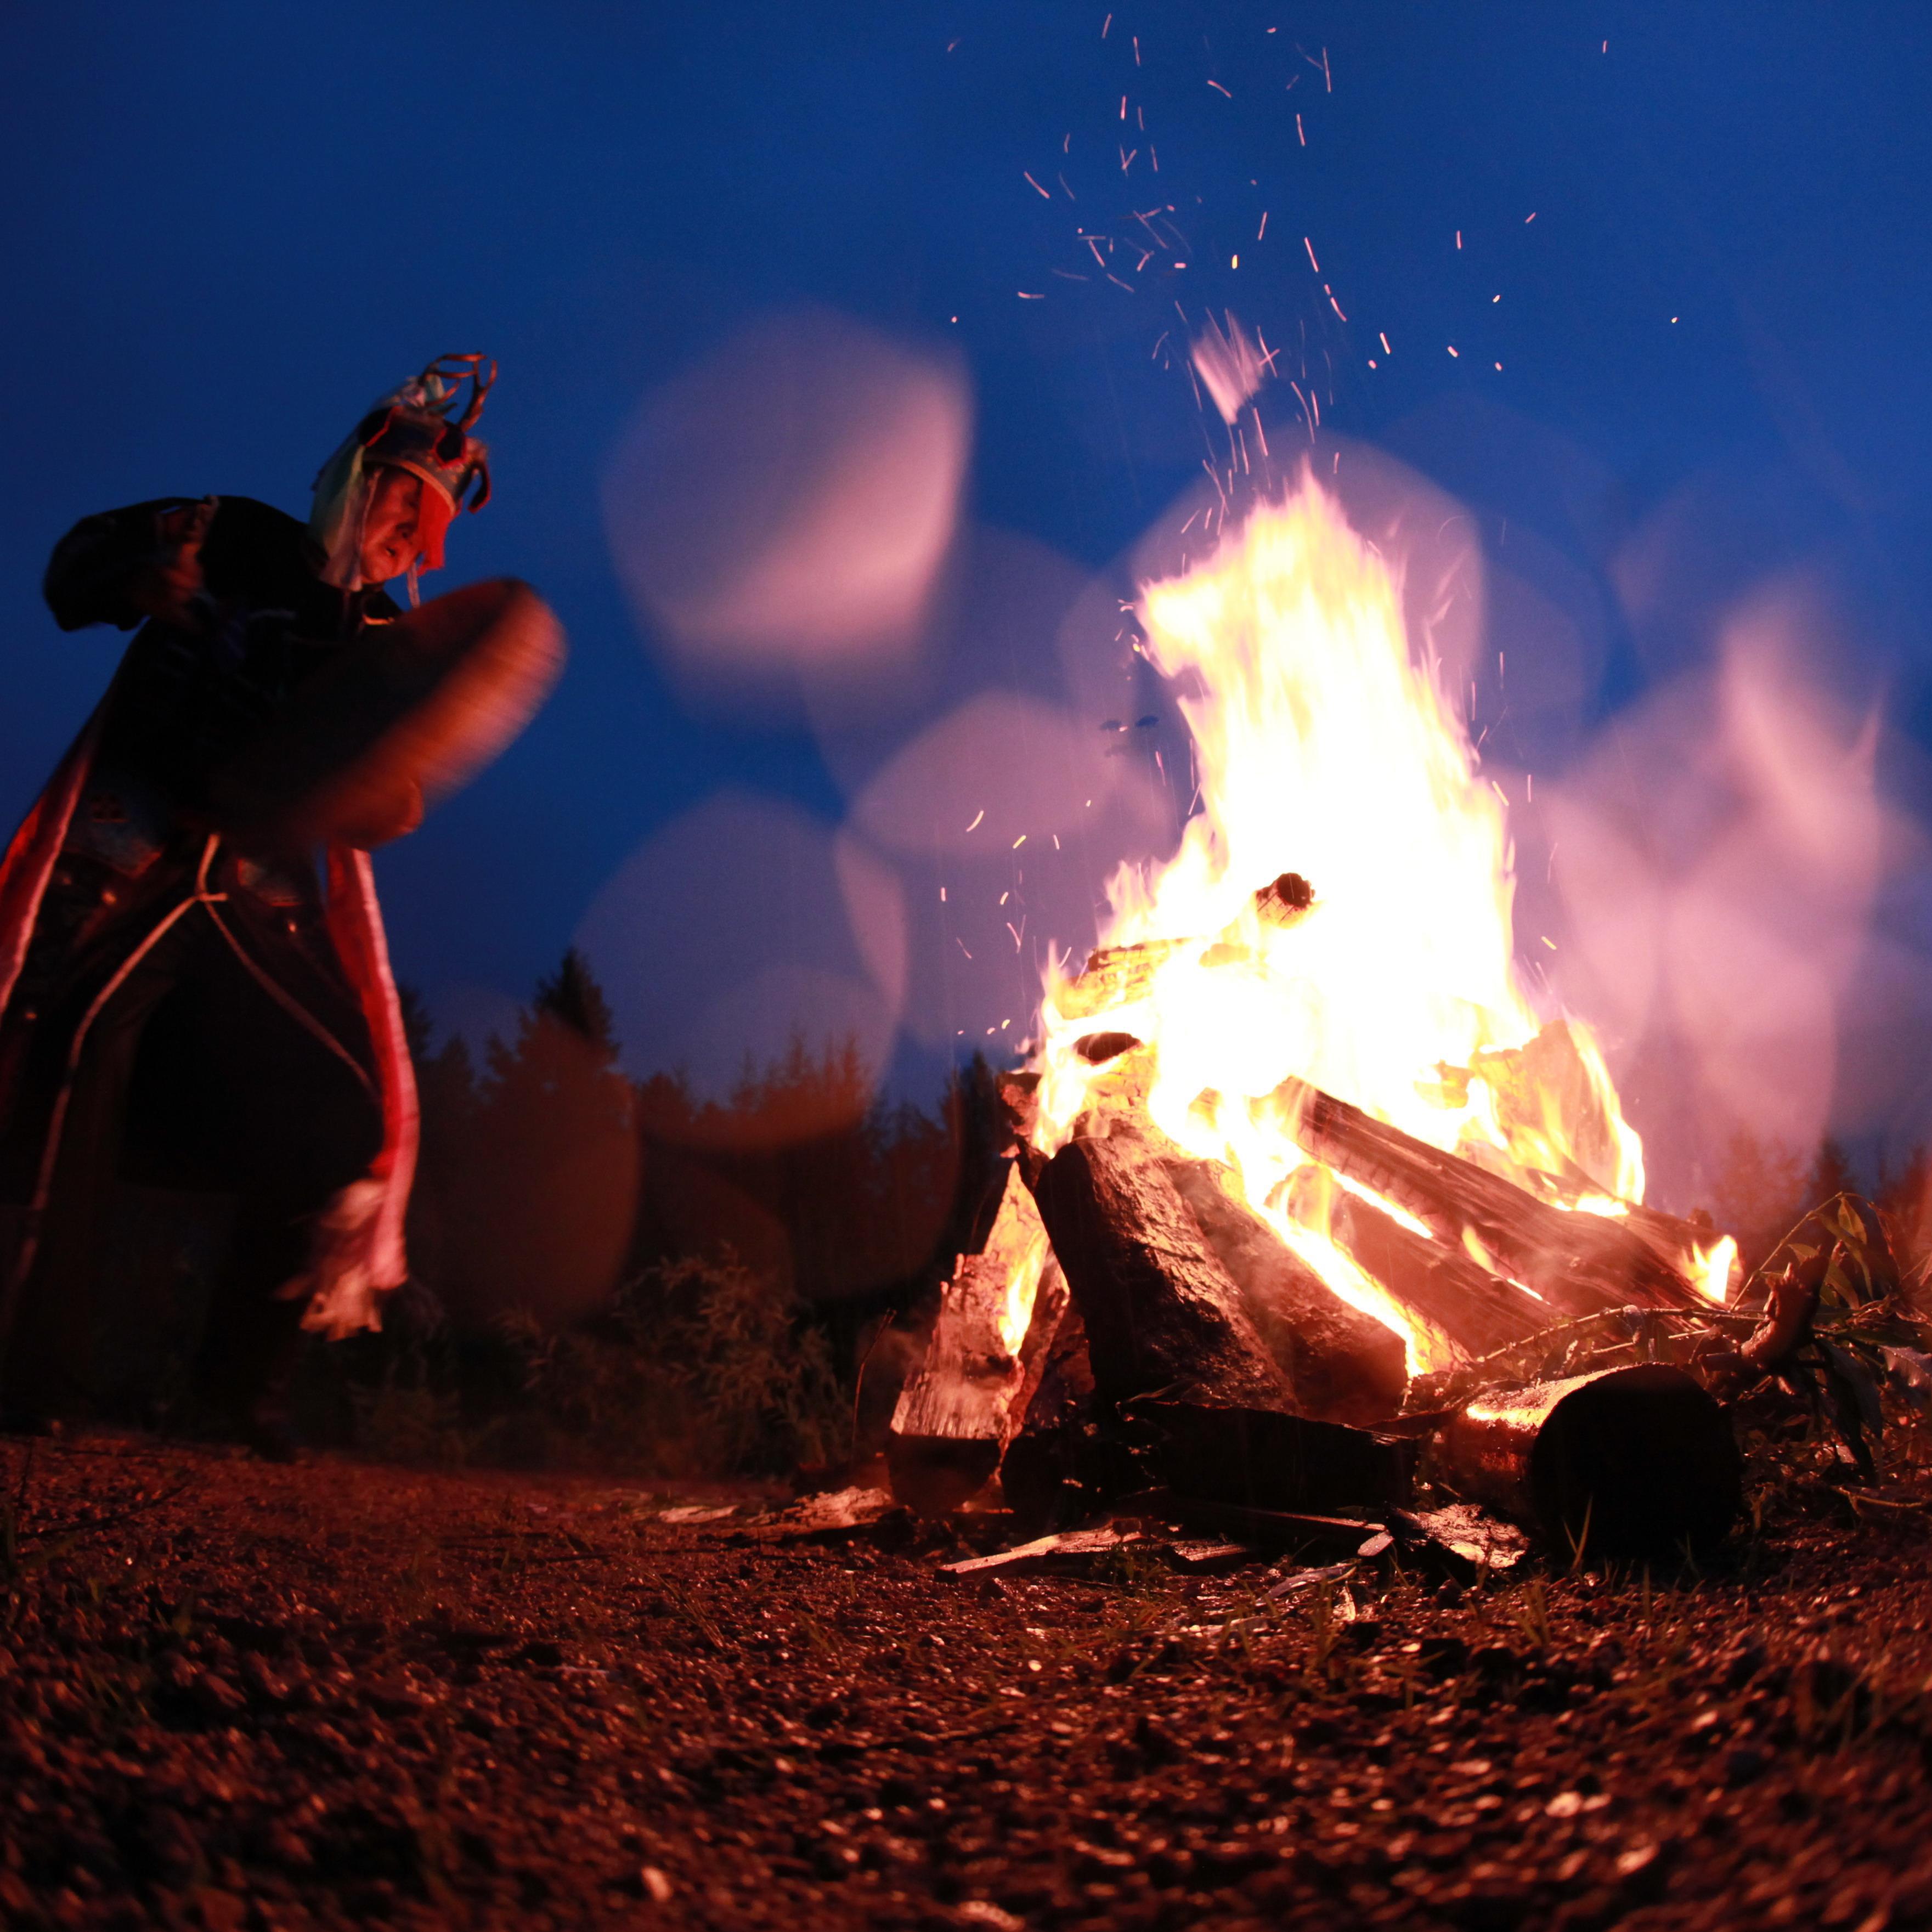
x: 229, y: 227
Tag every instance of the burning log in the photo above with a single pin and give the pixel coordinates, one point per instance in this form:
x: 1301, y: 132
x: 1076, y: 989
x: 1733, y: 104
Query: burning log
x: 1344, y: 1365
x: 1629, y: 1462
x: 966, y: 1401
x: 1545, y: 1091
x: 1678, y: 1241
x: 1162, y: 1314
x: 1580, y: 1263
x: 1175, y: 1356
x: 1441, y: 1285
x: 1114, y: 975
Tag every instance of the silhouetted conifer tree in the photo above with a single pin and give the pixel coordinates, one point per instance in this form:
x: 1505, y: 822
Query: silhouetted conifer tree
x: 528, y: 1175
x: 446, y: 1101
x: 418, y: 1027
x: 572, y: 996
x: 853, y: 1204
x: 1761, y: 1192
x: 1830, y: 1173
x: 532, y: 1158
x: 1905, y: 1200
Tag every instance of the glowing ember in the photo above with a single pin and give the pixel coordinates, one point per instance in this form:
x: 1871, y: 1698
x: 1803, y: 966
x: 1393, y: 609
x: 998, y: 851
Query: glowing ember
x: 1326, y: 753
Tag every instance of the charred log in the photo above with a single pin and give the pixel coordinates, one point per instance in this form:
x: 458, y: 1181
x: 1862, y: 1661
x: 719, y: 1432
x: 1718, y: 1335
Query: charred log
x: 965, y: 1402
x: 1261, y: 1459
x: 1073, y: 1455
x: 1580, y: 1263
x: 1162, y: 1314
x: 1344, y: 1365
x: 1283, y: 900
x: 1062, y: 1465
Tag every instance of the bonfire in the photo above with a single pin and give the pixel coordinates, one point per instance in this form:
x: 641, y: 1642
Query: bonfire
x: 1306, y: 1169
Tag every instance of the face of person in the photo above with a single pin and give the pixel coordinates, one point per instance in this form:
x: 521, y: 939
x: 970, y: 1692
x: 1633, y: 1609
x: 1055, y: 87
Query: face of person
x: 389, y: 526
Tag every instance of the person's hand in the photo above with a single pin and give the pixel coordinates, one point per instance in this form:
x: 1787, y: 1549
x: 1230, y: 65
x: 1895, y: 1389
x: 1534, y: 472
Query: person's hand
x: 394, y: 815
x: 167, y: 586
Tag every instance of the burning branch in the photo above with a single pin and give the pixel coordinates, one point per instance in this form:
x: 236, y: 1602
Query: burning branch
x: 1578, y: 1264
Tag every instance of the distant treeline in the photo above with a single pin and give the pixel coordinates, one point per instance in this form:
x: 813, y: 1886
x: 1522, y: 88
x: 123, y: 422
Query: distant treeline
x: 1763, y: 1189
x: 548, y: 1177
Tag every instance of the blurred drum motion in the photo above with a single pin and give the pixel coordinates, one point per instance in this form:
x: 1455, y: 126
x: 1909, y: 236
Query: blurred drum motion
x: 407, y: 714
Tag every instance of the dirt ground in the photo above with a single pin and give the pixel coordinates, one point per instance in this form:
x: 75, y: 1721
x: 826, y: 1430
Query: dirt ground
x: 236, y: 1696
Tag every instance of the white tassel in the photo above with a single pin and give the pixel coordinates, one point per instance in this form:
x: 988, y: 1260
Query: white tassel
x: 339, y: 1281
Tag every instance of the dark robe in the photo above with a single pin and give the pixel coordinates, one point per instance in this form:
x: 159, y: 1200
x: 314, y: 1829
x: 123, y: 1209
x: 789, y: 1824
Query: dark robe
x: 177, y: 1011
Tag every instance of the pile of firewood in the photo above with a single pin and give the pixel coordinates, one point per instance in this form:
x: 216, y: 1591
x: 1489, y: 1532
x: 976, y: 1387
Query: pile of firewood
x: 1175, y: 1343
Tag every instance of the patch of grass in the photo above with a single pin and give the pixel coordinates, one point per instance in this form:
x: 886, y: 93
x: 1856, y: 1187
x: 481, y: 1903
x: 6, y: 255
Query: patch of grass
x: 694, y: 1368
x: 1326, y: 1624
x: 1135, y: 1569
x: 1530, y: 1613
x: 686, y: 1608
x: 403, y: 1421
x: 697, y: 1367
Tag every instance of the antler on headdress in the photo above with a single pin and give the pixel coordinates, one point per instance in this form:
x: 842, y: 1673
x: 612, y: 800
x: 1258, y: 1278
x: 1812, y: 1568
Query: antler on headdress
x: 480, y: 386
x: 437, y: 387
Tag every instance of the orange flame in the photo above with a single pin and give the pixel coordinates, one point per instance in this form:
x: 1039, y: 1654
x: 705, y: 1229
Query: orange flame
x: 1711, y: 1269
x: 1325, y: 748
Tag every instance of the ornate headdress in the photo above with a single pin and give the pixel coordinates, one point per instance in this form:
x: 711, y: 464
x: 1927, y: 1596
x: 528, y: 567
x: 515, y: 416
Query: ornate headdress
x: 413, y: 429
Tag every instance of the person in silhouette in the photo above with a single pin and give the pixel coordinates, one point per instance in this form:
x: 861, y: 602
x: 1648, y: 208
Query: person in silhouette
x: 178, y: 1010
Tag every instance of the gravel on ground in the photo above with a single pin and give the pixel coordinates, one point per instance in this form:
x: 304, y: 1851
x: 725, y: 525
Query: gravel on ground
x: 234, y: 1695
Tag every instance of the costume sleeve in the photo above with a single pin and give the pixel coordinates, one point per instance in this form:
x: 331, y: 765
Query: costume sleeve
x: 88, y: 573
